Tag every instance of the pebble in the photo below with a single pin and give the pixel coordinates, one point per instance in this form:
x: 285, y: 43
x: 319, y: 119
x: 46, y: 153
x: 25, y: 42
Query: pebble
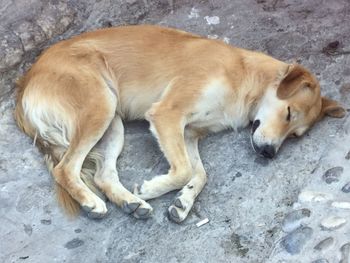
x: 346, y: 188
x: 347, y: 156
x: 333, y: 222
x: 28, y: 229
x: 295, y: 241
x: 332, y: 175
x: 45, y: 221
x: 320, y: 260
x: 313, y: 196
x: 294, y: 219
x: 343, y: 205
x: 345, y: 251
x: 74, y: 243
x: 212, y: 20
x: 325, y: 243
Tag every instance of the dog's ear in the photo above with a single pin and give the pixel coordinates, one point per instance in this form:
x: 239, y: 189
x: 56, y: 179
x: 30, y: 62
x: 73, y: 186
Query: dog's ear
x: 294, y: 79
x: 332, y: 108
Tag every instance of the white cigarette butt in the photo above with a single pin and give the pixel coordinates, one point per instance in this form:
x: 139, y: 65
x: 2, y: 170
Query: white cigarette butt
x: 202, y: 222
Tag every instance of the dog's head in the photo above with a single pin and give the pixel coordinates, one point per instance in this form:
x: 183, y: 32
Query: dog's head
x: 289, y: 109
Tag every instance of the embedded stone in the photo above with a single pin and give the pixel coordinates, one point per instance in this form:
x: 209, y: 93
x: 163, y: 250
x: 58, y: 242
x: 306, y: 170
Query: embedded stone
x: 313, y: 196
x: 325, y: 243
x: 294, y: 242
x: 74, y: 243
x: 347, y: 156
x: 320, y: 260
x: 345, y: 253
x: 294, y: 219
x: 333, y: 222
x: 333, y: 175
x: 343, y: 205
x: 346, y: 188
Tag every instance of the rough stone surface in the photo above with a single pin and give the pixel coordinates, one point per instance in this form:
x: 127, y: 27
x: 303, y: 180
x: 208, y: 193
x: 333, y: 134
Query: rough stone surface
x: 245, y: 214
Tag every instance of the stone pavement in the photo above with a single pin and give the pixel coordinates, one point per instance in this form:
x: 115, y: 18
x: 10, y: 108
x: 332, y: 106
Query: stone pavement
x: 294, y: 208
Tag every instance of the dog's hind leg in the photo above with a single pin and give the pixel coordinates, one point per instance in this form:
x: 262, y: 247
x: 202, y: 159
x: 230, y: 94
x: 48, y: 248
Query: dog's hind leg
x: 93, y: 114
x: 182, y: 205
x: 110, y: 146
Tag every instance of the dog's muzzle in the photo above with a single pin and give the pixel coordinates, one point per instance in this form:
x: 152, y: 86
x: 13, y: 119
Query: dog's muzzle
x: 265, y: 150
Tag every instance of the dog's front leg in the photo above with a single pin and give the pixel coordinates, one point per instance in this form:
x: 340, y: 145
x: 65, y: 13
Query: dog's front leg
x: 182, y: 205
x: 168, y: 127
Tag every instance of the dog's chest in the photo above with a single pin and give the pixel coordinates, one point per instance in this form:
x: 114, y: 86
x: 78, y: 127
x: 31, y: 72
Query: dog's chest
x: 218, y: 109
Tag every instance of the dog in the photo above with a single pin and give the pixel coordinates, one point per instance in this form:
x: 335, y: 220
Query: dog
x: 74, y: 99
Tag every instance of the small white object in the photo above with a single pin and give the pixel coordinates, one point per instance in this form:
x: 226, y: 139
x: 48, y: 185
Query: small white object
x: 212, y: 20
x: 343, y: 205
x: 226, y: 40
x: 313, y: 196
x: 194, y: 13
x: 333, y: 222
x: 202, y: 222
x: 213, y: 36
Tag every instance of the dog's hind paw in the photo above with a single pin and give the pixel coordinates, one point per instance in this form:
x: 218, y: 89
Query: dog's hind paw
x: 140, y: 210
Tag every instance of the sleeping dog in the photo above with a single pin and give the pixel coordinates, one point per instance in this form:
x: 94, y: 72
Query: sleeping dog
x: 74, y: 99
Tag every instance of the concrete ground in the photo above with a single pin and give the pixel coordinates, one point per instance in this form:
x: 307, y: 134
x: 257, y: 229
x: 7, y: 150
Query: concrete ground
x: 259, y: 210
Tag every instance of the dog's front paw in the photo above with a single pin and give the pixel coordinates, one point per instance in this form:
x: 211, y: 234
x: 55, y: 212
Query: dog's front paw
x: 140, y: 209
x: 143, y: 191
x: 180, y: 208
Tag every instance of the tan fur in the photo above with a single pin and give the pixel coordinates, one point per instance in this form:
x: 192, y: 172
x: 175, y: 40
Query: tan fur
x: 73, y: 98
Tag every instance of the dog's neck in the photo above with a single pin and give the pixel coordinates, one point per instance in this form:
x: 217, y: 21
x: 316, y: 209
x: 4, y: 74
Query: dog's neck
x: 265, y: 73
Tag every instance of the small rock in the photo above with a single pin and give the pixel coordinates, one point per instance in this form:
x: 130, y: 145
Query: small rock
x: 324, y: 244
x: 332, y: 175
x: 74, y: 243
x: 346, y: 188
x: 28, y: 229
x: 313, y: 196
x: 347, y: 157
x: 238, y: 174
x: 294, y: 219
x: 46, y: 221
x: 345, y: 253
x: 295, y: 241
x: 212, y: 20
x: 343, y: 205
x: 333, y: 222
x: 78, y: 230
x: 320, y: 260
x: 194, y: 13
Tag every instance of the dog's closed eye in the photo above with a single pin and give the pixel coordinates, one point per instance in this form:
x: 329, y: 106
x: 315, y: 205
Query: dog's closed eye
x: 288, y: 116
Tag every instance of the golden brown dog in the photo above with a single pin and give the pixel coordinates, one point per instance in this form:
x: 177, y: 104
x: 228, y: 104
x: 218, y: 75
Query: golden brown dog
x: 74, y: 98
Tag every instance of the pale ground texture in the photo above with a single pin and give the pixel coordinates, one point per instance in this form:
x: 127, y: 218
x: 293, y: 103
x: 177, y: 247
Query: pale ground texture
x: 253, y: 204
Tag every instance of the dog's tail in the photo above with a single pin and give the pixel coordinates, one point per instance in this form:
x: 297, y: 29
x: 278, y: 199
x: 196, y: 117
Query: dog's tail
x: 50, y: 129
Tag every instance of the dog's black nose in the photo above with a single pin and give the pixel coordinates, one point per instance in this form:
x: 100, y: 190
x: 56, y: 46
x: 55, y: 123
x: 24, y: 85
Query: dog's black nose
x: 267, y: 151
x: 255, y: 125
